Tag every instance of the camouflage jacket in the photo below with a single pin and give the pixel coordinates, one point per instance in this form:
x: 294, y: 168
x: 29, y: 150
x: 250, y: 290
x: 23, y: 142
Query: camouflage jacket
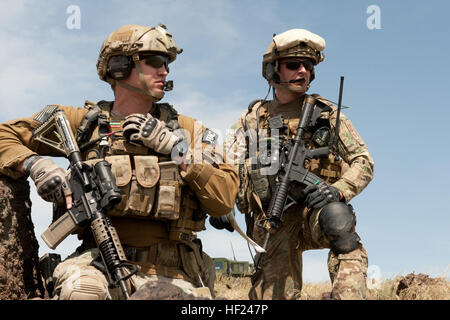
x: 350, y: 174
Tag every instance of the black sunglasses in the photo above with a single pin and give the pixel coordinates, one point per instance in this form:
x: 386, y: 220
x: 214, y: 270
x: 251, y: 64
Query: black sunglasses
x: 295, y: 64
x: 156, y: 61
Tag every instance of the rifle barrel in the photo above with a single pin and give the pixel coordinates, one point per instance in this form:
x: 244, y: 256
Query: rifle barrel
x: 278, y: 201
x: 335, y: 138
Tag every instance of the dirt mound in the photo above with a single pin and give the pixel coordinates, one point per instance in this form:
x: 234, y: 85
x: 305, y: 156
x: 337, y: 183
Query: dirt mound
x: 18, y: 245
x: 421, y: 286
x: 162, y: 289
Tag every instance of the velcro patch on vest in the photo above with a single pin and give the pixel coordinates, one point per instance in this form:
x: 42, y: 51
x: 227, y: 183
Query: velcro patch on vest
x: 210, y: 137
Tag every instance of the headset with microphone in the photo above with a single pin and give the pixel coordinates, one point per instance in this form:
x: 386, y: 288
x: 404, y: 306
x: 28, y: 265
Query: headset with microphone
x: 271, y: 74
x: 119, y: 68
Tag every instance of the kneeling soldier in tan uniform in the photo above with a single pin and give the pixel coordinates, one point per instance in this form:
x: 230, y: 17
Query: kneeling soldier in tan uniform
x: 164, y: 203
x: 320, y: 217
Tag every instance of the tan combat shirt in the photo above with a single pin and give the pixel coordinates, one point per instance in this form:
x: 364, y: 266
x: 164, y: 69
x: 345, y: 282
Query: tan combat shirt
x: 214, y: 185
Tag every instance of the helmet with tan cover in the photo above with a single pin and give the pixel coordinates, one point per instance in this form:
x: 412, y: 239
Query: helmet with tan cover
x: 121, y: 51
x: 299, y: 43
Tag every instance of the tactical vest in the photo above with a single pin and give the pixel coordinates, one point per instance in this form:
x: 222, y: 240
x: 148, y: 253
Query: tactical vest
x: 256, y: 186
x: 150, y: 183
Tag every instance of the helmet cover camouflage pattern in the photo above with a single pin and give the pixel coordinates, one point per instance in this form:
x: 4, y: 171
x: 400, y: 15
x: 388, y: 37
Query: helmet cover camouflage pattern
x: 293, y: 43
x: 134, y: 39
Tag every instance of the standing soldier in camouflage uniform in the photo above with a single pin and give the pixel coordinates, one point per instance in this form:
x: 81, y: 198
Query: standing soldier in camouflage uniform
x: 163, y: 204
x: 322, y: 218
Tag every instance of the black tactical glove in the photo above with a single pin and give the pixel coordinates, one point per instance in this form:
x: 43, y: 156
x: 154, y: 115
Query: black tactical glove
x: 146, y: 130
x: 319, y: 195
x: 222, y: 222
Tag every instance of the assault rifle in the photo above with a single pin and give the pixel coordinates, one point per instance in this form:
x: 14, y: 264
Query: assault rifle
x: 292, y: 168
x: 94, y: 192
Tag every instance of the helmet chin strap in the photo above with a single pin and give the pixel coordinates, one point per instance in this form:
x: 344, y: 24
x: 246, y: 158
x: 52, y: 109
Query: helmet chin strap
x: 289, y: 86
x: 154, y: 96
x: 297, y: 89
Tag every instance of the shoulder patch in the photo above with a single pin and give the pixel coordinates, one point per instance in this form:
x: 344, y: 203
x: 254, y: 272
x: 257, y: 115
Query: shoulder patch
x: 210, y: 137
x: 353, y: 132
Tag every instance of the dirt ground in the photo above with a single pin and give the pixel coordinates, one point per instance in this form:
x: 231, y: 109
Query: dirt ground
x: 19, y: 262
x: 410, y: 287
x: 18, y: 245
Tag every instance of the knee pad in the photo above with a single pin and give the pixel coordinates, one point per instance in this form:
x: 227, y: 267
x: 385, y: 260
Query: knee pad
x: 85, y: 287
x: 337, y: 221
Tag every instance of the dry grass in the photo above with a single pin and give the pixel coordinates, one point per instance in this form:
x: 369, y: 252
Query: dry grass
x: 410, y: 287
x: 232, y: 288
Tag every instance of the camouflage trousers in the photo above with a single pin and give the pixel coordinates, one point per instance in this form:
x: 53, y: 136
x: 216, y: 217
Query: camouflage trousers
x: 299, y: 232
x: 76, y: 279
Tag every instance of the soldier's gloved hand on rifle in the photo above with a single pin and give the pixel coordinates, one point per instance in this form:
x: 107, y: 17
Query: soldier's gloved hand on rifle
x: 222, y: 222
x: 50, y: 180
x: 146, y: 130
x: 319, y: 195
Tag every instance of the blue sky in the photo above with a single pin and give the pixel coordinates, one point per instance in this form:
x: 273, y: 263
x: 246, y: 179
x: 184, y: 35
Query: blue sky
x: 396, y: 84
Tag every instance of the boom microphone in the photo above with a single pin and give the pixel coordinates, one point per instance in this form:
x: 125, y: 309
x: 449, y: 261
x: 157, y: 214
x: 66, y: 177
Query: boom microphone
x: 293, y: 81
x: 168, y: 85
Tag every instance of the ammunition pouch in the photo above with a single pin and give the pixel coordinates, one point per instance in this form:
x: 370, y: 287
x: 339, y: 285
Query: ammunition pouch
x: 191, y: 220
x: 148, y: 188
x: 154, y: 190
x: 261, y: 185
x: 329, y: 169
x: 137, y: 186
x: 169, y: 195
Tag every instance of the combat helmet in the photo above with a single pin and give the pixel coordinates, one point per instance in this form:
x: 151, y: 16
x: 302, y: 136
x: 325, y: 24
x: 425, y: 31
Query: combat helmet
x: 292, y: 43
x: 121, y: 51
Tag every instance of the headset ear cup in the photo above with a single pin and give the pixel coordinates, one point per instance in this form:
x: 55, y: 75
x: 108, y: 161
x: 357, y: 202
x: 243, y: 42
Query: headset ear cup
x: 119, y: 67
x: 270, y: 71
x: 313, y: 75
x: 271, y: 74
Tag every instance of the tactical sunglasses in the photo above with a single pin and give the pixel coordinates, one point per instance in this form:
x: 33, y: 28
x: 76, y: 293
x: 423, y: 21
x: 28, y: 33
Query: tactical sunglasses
x: 295, y: 64
x: 156, y: 61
